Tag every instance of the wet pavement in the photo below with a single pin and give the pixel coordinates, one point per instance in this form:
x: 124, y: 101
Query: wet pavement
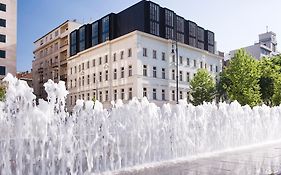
x: 262, y: 160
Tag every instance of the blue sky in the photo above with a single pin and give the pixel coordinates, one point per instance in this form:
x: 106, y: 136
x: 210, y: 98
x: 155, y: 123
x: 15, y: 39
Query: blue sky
x: 236, y: 23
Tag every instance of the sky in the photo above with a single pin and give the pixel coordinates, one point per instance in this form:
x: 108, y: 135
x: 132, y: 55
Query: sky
x: 236, y: 23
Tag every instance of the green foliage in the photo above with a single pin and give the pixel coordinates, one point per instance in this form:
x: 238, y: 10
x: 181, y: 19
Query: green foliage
x: 241, y: 78
x: 276, y: 98
x: 2, y: 93
x: 202, y: 87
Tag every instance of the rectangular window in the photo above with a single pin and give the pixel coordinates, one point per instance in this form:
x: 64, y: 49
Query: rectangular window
x: 122, y: 94
x: 106, y: 95
x: 73, y: 49
x: 122, y: 55
x: 82, y: 38
x: 173, y: 95
x: 2, y: 22
x: 181, y: 96
x: 100, y: 96
x: 95, y: 33
x: 145, y: 52
x: 154, y: 54
x: 2, y: 7
x: 130, y: 71
x: 2, y: 38
x: 100, y: 61
x: 201, y: 64
x: 88, y: 79
x: 105, y: 29
x: 154, y: 28
x: 173, y: 74
x: 145, y: 70
x: 94, y: 78
x: 181, y: 60
x: 115, y: 94
x: 187, y: 77
x: 194, y: 63
x: 94, y: 63
x: 83, y: 80
x: 144, y: 92
x: 106, y: 59
x: 154, y: 72
x: 88, y: 64
x: 130, y: 93
x: 163, y: 94
x: 100, y: 76
x: 154, y: 95
x: 2, y: 70
x: 130, y: 52
x: 187, y: 61
x: 115, y: 74
x: 163, y: 56
x: 106, y: 75
x: 2, y: 54
x: 114, y: 57
x: 211, y: 68
x: 180, y: 75
x: 122, y: 72
x: 173, y: 58
x: 163, y: 73
x: 217, y: 69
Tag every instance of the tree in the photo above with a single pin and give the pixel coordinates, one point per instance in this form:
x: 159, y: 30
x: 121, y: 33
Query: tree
x: 276, y: 98
x: 2, y: 93
x: 243, y: 75
x: 202, y: 87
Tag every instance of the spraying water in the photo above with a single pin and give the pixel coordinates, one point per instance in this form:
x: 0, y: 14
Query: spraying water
x: 46, y: 139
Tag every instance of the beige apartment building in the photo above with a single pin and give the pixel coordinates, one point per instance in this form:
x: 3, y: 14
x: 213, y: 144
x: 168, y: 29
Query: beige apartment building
x: 8, y: 37
x: 50, y: 57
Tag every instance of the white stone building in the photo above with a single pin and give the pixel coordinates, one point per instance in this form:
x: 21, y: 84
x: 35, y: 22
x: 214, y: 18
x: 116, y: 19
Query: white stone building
x: 136, y: 65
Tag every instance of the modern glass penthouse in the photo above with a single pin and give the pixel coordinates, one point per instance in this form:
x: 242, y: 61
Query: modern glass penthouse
x: 144, y: 16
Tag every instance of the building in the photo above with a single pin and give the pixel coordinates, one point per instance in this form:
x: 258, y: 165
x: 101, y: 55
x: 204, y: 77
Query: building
x: 50, y: 57
x: 8, y: 37
x: 266, y: 47
x: 25, y: 76
x: 119, y: 57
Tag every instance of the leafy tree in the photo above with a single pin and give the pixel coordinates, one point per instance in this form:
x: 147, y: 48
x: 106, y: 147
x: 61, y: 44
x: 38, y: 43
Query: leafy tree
x: 221, y: 87
x: 242, y: 75
x: 2, y: 93
x: 276, y: 98
x: 202, y: 87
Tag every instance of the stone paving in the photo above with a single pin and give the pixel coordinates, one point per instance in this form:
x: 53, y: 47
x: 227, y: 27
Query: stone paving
x: 262, y: 160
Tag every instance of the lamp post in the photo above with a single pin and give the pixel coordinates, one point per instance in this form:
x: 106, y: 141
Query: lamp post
x: 175, y: 52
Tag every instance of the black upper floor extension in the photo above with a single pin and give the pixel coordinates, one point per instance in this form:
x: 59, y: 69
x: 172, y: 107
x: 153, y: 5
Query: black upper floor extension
x: 145, y: 16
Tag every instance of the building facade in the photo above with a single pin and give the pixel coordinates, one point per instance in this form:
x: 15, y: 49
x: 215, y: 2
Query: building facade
x: 50, y: 57
x: 266, y: 47
x: 8, y: 37
x: 136, y: 65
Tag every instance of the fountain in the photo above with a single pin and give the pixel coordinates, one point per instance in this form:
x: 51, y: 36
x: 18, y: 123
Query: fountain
x: 46, y: 139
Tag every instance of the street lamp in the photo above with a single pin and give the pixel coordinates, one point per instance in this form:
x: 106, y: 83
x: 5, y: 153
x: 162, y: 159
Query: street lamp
x: 175, y: 52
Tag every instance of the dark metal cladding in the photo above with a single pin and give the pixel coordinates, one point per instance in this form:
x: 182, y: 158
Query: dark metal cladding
x: 144, y: 16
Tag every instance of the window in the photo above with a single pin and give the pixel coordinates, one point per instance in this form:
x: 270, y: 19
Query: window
x: 95, y: 33
x: 114, y: 57
x: 100, y: 61
x: 154, y: 54
x: 115, y: 74
x: 211, y: 68
x: 122, y: 72
x: 130, y: 52
x: 130, y: 71
x: 181, y: 60
x: 100, y: 76
x: 88, y: 79
x: 173, y: 58
x: 2, y: 22
x: 73, y: 49
x: 154, y: 72
x: 180, y: 75
x: 181, y: 96
x: 163, y: 94
x: 56, y: 33
x: 115, y: 94
x: 187, y: 77
x: 105, y: 29
x: 82, y: 42
x: 194, y: 63
x: 2, y: 54
x: 169, y: 18
x: 154, y: 95
x: 2, y: 38
x: 100, y: 96
x: 130, y: 93
x: 2, y: 7
x: 2, y: 70
x: 71, y: 70
x: 173, y: 74
x: 122, y: 55
x: 106, y: 59
x: 173, y: 95
x: 94, y: 78
x: 83, y: 80
x: 145, y: 70
x: 201, y: 64
x: 122, y: 94
x: 154, y: 19
x: 75, y: 82
x: 106, y: 75
x: 163, y: 73
x: 106, y: 95
x: 217, y: 69
x: 144, y: 92
x: 163, y: 56
x: 83, y: 66
x: 145, y: 52
x: 94, y: 63
x: 154, y: 28
x: 187, y: 61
